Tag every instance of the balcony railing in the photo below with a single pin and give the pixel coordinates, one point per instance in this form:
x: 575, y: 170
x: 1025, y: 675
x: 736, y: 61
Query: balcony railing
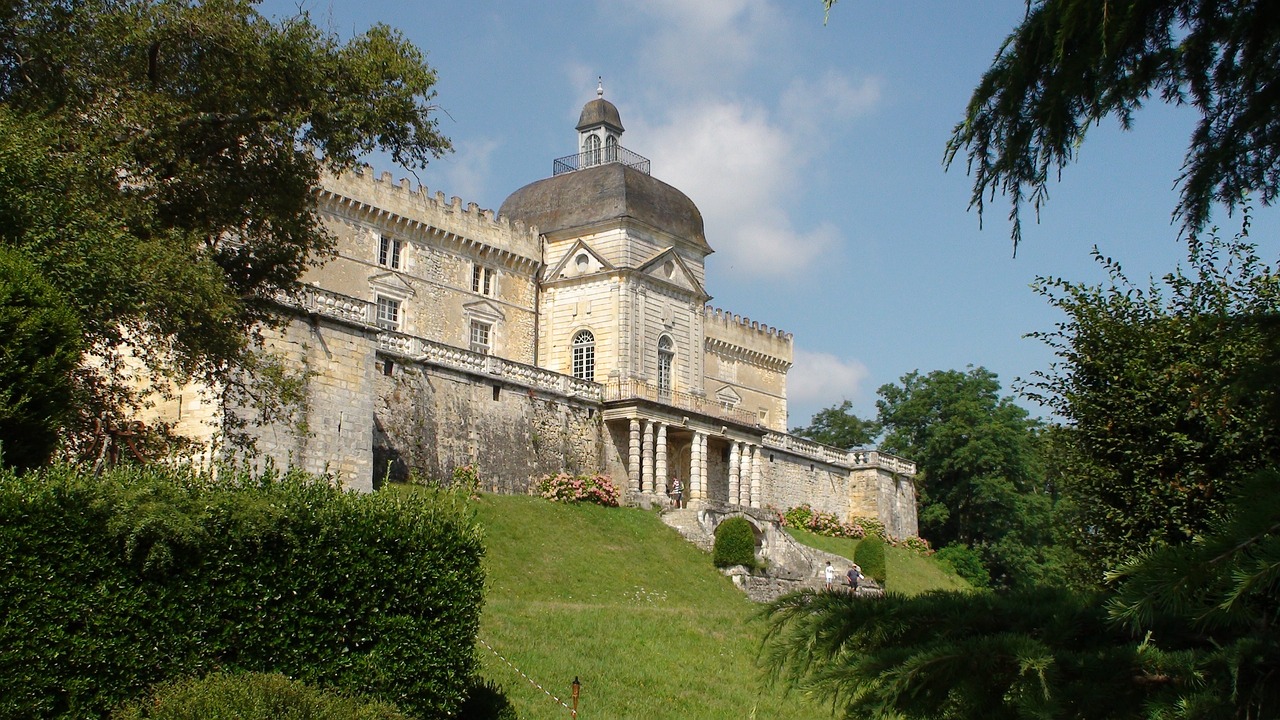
x: 602, y: 156
x: 637, y: 390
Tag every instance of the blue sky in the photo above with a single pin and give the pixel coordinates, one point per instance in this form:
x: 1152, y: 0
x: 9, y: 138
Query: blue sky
x: 815, y: 154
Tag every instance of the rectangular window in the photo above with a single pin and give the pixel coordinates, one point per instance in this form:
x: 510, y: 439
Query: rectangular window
x: 388, y: 313
x: 389, y: 252
x: 480, y: 337
x: 482, y: 280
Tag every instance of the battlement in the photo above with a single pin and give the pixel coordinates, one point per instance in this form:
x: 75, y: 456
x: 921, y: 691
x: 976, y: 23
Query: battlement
x: 400, y: 203
x: 728, y: 319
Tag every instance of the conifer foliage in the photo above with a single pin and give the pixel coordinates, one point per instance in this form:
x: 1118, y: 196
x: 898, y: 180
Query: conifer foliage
x: 1072, y: 63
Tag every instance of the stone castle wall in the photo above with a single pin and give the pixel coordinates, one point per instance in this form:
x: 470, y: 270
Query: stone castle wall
x: 331, y: 430
x: 431, y: 420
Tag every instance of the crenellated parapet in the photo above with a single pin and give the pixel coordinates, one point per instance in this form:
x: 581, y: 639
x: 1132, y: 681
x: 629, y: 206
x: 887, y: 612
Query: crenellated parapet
x: 747, y: 340
x: 415, y: 213
x: 728, y: 319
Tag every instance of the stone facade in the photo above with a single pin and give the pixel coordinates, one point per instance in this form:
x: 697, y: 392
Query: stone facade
x: 570, y: 330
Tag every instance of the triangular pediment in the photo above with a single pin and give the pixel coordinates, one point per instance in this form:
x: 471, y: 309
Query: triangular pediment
x: 484, y: 310
x: 728, y: 397
x: 667, y: 266
x: 580, y: 260
x: 392, y: 282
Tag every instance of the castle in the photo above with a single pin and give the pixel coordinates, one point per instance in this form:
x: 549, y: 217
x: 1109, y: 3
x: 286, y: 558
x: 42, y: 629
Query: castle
x: 570, y: 330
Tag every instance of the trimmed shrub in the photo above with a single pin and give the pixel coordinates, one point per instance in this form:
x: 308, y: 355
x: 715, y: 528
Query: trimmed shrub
x: 112, y: 584
x: 870, y: 557
x: 251, y: 696
x: 735, y: 543
x: 563, y: 487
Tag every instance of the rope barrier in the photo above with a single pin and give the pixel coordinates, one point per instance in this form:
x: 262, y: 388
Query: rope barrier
x: 521, y: 673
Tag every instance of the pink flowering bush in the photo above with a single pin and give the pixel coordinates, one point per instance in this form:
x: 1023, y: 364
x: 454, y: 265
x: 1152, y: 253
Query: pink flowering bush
x: 563, y: 487
x: 824, y: 523
x: 915, y: 544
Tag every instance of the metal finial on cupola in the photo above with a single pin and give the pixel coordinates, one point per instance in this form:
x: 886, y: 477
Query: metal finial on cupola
x: 600, y: 86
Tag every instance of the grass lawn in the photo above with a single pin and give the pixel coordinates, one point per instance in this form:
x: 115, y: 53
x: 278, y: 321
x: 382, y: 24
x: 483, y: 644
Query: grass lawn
x: 619, y: 600
x: 909, y: 573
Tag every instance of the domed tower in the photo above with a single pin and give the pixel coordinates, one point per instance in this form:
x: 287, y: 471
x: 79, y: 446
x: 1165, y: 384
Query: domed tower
x: 622, y: 293
x: 599, y: 129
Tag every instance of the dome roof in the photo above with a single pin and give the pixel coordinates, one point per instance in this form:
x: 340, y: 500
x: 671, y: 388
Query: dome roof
x: 599, y: 111
x: 602, y: 193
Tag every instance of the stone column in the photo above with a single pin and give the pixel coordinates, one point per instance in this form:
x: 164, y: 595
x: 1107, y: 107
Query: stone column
x: 695, y: 470
x: 646, y: 449
x: 735, y: 470
x: 660, y: 470
x: 702, y: 466
x: 756, y: 485
x: 633, y: 456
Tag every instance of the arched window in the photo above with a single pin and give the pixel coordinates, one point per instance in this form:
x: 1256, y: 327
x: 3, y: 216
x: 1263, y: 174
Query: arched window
x: 584, y: 355
x: 666, y: 358
x: 591, y: 151
x: 611, y: 149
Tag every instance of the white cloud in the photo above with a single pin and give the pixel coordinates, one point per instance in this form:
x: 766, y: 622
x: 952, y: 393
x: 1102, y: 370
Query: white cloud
x: 698, y: 45
x: 741, y: 171
x: 830, y: 100
x: 819, y: 380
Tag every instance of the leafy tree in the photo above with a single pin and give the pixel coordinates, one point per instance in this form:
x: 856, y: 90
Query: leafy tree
x: 1171, y: 394
x: 162, y: 159
x: 838, y: 426
x: 39, y: 347
x: 979, y: 479
x: 1156, y: 386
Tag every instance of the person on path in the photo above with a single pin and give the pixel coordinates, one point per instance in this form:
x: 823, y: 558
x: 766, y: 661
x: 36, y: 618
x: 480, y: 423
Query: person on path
x: 676, y: 492
x: 830, y: 575
x: 854, y: 575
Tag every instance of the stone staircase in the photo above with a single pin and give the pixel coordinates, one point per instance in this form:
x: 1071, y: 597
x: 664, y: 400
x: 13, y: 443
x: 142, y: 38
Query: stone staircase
x: 791, y: 566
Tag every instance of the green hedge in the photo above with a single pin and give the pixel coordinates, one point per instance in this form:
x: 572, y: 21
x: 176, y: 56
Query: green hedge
x: 735, y: 543
x: 250, y: 696
x: 870, y: 557
x: 111, y: 584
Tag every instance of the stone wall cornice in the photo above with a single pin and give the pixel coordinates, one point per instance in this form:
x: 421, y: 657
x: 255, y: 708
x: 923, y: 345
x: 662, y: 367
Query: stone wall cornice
x: 747, y: 355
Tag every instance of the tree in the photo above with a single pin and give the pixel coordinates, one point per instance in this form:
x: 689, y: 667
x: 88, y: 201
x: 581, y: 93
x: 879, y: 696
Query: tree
x: 979, y: 478
x: 838, y: 426
x: 39, y: 347
x: 1172, y: 397
x: 1072, y: 63
x: 183, y: 143
x: 1164, y: 395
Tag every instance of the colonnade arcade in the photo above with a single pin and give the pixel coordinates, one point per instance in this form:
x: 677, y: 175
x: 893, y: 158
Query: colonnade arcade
x: 715, y: 463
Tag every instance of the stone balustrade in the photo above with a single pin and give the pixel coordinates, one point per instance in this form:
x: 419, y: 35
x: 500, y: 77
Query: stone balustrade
x: 337, y: 305
x: 354, y: 310
x: 835, y: 456
x: 632, y: 389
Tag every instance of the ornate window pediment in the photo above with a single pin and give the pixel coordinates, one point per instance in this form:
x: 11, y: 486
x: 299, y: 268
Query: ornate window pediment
x: 391, y: 285
x: 728, y: 397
